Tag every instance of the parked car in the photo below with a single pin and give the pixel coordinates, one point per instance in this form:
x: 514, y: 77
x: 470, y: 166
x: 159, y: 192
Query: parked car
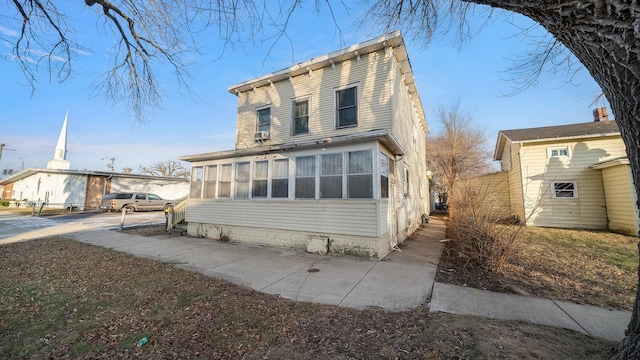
x: 134, y: 201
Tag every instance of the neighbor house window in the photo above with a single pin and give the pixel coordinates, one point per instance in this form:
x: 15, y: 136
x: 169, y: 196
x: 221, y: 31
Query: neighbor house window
x: 567, y: 189
x: 280, y: 179
x: 260, y: 176
x: 360, y: 175
x: 264, y: 119
x: 242, y: 180
x: 331, y: 176
x: 196, y: 182
x: 300, y: 117
x: 211, y: 177
x: 224, y: 186
x: 559, y: 151
x: 305, y: 177
x: 384, y: 175
x: 347, y: 107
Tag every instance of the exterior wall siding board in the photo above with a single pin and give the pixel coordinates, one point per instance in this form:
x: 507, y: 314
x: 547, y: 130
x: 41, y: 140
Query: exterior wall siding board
x: 587, y: 210
x: 516, y: 194
x: 347, y: 217
x: 372, y: 76
x: 620, y: 205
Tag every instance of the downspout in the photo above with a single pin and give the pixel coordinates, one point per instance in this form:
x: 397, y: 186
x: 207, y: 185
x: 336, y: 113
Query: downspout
x: 104, y: 187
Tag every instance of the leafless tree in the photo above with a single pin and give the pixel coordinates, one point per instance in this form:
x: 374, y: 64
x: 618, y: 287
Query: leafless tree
x: 457, y: 151
x: 170, y: 168
x: 603, y: 35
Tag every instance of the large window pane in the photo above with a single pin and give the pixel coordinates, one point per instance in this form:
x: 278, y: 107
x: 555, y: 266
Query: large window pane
x: 224, y: 187
x: 280, y: 179
x: 211, y: 177
x: 360, y: 175
x: 384, y: 176
x: 196, y: 182
x: 242, y: 180
x: 264, y: 119
x: 346, y: 107
x: 331, y: 176
x: 305, y: 177
x: 260, y: 172
x: 300, y: 117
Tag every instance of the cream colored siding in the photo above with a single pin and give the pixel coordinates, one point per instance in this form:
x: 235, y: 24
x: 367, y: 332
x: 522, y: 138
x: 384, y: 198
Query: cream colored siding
x: 370, y: 75
x: 539, y: 171
x: 491, y: 191
x: 621, y: 209
x: 516, y: 195
x: 321, y: 216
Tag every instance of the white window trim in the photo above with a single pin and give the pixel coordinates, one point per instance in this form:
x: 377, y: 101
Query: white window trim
x: 550, y: 150
x: 293, y: 109
x: 335, y: 105
x: 258, y: 117
x: 575, y: 189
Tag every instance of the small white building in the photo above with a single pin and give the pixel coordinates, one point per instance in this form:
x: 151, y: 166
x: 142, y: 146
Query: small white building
x: 329, y: 157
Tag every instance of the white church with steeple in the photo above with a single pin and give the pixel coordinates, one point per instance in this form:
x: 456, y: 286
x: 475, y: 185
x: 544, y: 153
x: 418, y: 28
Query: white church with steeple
x: 59, y: 160
x: 60, y: 187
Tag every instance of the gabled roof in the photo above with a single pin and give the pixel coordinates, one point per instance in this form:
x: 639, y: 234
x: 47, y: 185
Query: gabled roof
x: 392, y: 40
x: 559, y: 132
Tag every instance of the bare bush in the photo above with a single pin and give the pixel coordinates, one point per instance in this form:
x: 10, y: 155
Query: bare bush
x: 479, y: 227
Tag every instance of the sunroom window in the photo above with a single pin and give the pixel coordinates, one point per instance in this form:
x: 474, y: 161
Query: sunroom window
x: 260, y: 172
x: 224, y: 186
x: 305, y: 177
x: 331, y: 176
x: 242, y: 180
x: 280, y: 179
x: 360, y: 175
x: 196, y: 182
x: 211, y: 176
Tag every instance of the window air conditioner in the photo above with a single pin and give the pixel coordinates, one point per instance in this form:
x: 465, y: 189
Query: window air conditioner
x: 261, y: 135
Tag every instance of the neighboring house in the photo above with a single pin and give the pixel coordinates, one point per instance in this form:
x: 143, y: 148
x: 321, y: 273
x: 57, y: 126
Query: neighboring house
x: 59, y: 187
x: 570, y: 176
x: 329, y: 157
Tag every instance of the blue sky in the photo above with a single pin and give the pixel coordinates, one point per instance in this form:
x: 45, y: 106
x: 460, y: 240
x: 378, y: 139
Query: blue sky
x: 204, y: 121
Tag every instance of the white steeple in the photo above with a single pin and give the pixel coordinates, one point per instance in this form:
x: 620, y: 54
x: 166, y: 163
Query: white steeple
x: 59, y: 160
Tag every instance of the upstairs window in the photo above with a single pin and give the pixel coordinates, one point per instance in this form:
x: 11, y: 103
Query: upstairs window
x: 559, y: 152
x: 211, y: 176
x: 196, y: 182
x: 280, y: 179
x: 306, y: 177
x: 564, y: 189
x: 264, y: 119
x: 360, y: 175
x: 300, y: 117
x: 347, y: 107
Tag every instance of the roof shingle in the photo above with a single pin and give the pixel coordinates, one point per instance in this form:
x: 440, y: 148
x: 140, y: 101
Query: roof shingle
x: 561, y: 131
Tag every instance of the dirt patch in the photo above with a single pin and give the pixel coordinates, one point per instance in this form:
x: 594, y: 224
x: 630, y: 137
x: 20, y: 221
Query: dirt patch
x: 147, y: 230
x: 64, y: 299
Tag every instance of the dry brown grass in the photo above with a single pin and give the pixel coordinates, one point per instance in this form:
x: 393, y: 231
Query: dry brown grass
x: 63, y: 299
x: 586, y: 267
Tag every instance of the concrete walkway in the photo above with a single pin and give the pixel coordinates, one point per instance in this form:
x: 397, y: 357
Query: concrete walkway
x: 402, y: 281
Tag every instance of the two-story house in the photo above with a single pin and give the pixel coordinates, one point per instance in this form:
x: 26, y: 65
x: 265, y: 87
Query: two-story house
x: 569, y: 176
x: 329, y: 157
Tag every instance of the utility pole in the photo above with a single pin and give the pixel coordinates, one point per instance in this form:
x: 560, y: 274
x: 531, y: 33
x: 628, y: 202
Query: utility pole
x: 2, y: 146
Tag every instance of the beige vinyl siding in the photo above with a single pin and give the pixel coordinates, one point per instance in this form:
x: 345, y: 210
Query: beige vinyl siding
x: 331, y: 217
x: 621, y: 209
x: 370, y: 74
x: 516, y: 191
x: 407, y: 127
x: 539, y: 171
x: 492, y: 191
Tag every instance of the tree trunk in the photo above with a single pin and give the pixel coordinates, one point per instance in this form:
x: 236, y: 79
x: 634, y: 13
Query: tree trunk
x: 605, y: 36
